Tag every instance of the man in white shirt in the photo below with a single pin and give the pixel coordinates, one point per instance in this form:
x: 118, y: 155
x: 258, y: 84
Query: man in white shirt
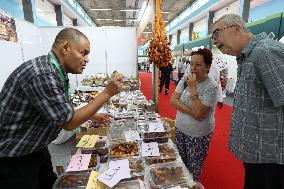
x: 181, y: 68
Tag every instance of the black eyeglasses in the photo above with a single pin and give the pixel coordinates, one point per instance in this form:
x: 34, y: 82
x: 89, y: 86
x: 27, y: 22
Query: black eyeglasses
x: 216, y: 32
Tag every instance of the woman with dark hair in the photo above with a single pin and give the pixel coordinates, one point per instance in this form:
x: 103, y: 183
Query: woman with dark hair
x: 195, y: 104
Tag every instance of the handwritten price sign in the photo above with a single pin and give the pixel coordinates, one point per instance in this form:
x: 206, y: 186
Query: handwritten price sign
x: 79, y: 162
x: 150, y: 149
x: 87, y: 141
x: 156, y: 127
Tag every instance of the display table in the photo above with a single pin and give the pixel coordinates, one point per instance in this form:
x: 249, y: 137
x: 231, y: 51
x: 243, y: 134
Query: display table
x: 130, y: 137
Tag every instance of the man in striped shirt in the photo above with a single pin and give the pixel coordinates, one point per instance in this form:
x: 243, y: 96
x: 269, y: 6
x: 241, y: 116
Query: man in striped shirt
x: 34, y: 107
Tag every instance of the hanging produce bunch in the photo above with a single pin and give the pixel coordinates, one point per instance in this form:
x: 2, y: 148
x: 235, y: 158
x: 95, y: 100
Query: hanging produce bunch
x: 159, y: 51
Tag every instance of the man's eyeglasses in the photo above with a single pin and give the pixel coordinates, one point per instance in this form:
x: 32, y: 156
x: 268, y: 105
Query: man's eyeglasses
x: 216, y: 32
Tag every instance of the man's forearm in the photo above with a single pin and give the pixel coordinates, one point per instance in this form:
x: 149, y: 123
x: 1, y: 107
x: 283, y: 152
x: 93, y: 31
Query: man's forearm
x: 83, y: 114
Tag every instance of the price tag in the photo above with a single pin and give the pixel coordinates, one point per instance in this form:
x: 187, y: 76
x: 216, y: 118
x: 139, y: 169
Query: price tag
x: 117, y: 170
x: 124, y: 164
x: 131, y: 135
x: 156, y: 127
x: 87, y: 141
x: 93, y: 180
x: 150, y: 149
x: 79, y: 162
x: 111, y: 177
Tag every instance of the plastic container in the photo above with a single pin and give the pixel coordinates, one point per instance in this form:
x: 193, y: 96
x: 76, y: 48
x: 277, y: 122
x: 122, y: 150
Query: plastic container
x: 134, y: 184
x: 137, y: 170
x: 103, y: 159
x: 73, y: 180
x: 123, y: 115
x: 101, y: 151
x: 119, y: 128
x: 101, y: 142
x: 160, y: 137
x: 168, y: 153
x: 124, y: 150
x: 193, y: 185
x: 94, y: 163
x: 100, y: 148
x: 166, y: 175
x: 151, y: 138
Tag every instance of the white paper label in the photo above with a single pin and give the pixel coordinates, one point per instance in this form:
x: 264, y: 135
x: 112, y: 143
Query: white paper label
x: 79, y: 162
x: 150, y: 149
x: 156, y: 127
x: 117, y: 170
x: 131, y: 135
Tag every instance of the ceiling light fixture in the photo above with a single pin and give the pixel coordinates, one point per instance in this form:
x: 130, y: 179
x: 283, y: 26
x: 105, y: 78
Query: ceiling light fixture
x: 104, y: 19
x: 101, y: 9
x: 130, y: 10
x: 147, y: 32
x: 166, y: 12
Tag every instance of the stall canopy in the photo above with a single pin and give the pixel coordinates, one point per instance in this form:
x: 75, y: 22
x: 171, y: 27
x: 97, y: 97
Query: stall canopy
x: 281, y: 33
x: 204, y: 41
x: 273, y: 23
x: 178, y: 47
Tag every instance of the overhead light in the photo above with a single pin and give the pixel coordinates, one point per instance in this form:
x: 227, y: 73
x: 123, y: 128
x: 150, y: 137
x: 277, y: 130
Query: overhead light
x: 166, y: 12
x: 45, y: 13
x: 165, y: 21
x: 130, y: 10
x: 100, y: 9
x: 147, y: 32
x: 133, y: 20
x: 118, y: 20
x: 104, y: 19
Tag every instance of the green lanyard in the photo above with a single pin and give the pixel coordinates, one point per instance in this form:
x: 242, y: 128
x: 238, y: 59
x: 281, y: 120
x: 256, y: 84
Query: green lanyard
x: 61, y: 73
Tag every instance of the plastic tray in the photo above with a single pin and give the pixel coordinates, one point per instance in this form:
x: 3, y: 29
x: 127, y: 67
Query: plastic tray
x: 101, y: 151
x: 103, y: 159
x: 166, y: 175
x: 94, y: 162
x: 134, y: 184
x: 168, y: 153
x: 123, y: 150
x: 163, y: 139
x: 193, y: 185
x: 73, y: 180
x: 137, y: 170
x: 118, y: 129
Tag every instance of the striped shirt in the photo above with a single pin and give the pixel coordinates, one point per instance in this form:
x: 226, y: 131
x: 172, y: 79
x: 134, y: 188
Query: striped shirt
x: 257, y: 126
x: 32, y: 107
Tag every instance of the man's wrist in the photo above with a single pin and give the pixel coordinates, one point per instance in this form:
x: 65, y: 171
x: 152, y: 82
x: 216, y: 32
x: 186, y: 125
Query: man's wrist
x: 106, y: 95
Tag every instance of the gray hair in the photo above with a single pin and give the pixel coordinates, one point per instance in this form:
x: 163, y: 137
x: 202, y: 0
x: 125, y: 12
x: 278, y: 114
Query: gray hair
x: 68, y: 34
x: 232, y: 19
